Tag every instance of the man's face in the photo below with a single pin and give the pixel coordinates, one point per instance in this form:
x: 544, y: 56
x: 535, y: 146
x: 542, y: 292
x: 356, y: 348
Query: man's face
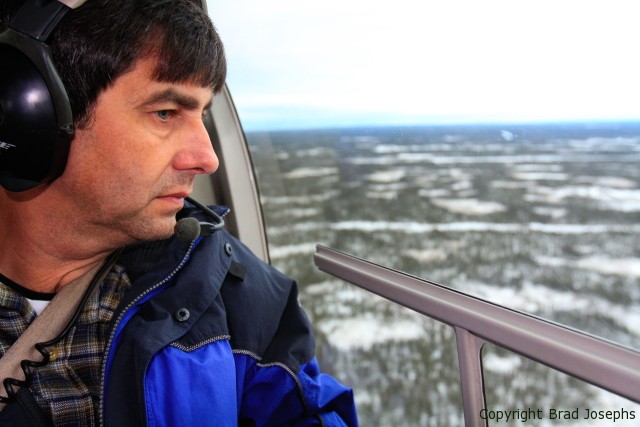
x: 130, y: 169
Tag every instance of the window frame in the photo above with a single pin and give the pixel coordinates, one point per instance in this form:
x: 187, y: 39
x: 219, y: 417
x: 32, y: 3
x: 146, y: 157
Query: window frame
x: 233, y: 184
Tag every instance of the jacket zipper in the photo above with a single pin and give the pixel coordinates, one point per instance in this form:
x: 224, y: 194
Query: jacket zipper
x: 116, y: 327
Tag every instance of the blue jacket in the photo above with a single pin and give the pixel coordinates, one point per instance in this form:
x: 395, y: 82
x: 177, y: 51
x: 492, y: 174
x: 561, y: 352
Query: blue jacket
x: 210, y: 335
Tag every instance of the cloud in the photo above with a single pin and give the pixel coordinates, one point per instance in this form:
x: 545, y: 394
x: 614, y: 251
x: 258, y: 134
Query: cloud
x: 428, y: 60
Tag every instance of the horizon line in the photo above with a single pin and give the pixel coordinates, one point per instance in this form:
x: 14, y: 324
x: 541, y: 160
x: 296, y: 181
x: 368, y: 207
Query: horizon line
x: 452, y: 124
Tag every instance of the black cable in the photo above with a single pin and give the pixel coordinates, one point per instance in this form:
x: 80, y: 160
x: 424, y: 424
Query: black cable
x: 219, y: 222
x: 27, y: 366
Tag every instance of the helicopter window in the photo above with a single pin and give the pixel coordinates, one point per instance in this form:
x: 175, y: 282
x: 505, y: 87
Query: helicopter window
x: 490, y: 146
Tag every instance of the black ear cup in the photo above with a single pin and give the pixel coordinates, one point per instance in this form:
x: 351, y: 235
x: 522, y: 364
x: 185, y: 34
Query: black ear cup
x: 36, y: 124
x: 33, y: 147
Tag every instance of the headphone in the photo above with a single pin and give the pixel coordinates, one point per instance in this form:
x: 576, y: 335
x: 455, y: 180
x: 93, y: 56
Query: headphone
x: 36, y: 122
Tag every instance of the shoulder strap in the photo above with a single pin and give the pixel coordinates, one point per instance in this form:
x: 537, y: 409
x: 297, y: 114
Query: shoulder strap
x: 50, y: 325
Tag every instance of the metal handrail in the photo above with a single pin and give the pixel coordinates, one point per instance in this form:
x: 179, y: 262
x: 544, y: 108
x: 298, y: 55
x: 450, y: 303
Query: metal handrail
x: 591, y: 359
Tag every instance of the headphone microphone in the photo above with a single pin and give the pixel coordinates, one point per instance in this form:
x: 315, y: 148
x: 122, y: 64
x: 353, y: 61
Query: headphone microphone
x: 36, y: 122
x: 190, y: 228
x: 187, y: 229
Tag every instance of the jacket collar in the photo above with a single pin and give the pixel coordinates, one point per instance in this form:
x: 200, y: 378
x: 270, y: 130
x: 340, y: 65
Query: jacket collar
x: 162, y: 256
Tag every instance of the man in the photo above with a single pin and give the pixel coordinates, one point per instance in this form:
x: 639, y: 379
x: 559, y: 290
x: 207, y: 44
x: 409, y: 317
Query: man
x: 190, y: 331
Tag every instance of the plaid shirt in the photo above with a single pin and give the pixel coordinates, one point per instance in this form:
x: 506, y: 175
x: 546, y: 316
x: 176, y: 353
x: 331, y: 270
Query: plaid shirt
x: 68, y: 388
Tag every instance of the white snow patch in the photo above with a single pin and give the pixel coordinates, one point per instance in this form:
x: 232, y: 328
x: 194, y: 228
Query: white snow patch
x: 426, y: 255
x: 554, y: 213
x: 290, y: 250
x: 469, y: 206
x: 435, y: 192
x: 365, y: 332
x: 501, y: 365
x: 540, y: 176
x: 606, y: 181
x: 629, y: 267
x: 310, y: 173
x: 625, y: 200
x: 387, y: 176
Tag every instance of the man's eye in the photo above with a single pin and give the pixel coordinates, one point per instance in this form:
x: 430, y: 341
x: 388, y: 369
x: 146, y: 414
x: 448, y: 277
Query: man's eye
x: 164, y: 114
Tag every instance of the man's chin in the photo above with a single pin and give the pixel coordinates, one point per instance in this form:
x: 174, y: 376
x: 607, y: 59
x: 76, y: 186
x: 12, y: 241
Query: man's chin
x: 154, y: 229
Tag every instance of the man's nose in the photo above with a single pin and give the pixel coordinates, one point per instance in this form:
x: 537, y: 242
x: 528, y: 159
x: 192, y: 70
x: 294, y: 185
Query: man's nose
x: 198, y: 154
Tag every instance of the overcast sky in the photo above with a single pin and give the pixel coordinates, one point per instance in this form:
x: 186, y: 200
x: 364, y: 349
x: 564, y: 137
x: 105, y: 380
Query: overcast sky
x: 361, y: 62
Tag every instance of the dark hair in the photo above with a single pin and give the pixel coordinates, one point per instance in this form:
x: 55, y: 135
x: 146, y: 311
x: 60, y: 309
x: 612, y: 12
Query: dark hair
x: 98, y: 42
